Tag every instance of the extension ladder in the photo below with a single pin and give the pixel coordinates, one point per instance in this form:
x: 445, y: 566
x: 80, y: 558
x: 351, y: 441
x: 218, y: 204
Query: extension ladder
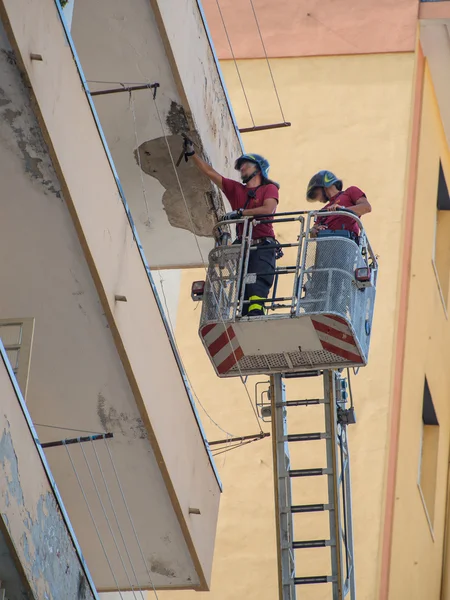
x: 337, y: 472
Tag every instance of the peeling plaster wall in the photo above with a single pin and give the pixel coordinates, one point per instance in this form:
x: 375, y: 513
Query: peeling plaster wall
x: 79, y: 377
x: 76, y: 376
x: 119, y: 42
x: 198, y: 72
x: 29, y: 514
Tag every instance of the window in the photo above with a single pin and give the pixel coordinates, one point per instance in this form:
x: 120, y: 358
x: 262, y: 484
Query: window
x: 429, y: 453
x: 17, y: 338
x: 441, y: 258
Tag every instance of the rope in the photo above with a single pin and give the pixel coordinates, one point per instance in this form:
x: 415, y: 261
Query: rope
x: 93, y: 520
x: 116, y: 518
x: 202, y: 257
x: 235, y: 63
x: 107, y: 519
x: 130, y: 518
x: 268, y: 61
x: 144, y: 192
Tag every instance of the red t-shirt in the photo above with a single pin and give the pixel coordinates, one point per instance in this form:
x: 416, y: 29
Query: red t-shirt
x: 237, y: 194
x: 347, y: 198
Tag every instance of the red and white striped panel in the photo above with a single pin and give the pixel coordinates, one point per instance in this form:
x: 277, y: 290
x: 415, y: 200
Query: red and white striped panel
x: 223, y: 346
x: 335, y: 336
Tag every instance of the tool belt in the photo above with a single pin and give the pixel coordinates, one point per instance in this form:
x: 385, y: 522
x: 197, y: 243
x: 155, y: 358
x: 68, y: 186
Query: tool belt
x: 257, y: 241
x: 278, y: 251
x: 262, y: 240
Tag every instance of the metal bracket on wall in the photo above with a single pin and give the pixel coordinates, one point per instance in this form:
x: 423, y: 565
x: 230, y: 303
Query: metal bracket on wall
x: 78, y: 440
x: 264, y: 127
x: 127, y: 88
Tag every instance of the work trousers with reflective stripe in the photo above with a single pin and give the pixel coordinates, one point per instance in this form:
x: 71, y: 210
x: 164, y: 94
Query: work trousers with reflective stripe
x: 262, y: 262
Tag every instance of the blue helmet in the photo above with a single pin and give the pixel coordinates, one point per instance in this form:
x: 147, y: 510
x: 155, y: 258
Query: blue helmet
x: 258, y: 160
x: 323, y: 179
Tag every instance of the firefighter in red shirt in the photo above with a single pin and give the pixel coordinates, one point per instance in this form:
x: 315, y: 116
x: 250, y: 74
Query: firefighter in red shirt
x: 256, y: 195
x: 325, y: 187
x: 333, y: 260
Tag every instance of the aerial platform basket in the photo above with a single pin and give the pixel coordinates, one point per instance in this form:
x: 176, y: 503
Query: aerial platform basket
x: 322, y: 321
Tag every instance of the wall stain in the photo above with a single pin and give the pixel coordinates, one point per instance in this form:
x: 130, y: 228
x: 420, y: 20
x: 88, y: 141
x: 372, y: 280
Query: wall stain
x: 176, y: 119
x: 10, y: 56
x: 82, y: 587
x: 158, y: 566
x: 83, y: 310
x: 113, y: 421
x: 29, y: 140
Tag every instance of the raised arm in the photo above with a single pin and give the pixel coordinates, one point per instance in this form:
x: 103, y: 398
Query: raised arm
x: 208, y: 170
x: 201, y: 165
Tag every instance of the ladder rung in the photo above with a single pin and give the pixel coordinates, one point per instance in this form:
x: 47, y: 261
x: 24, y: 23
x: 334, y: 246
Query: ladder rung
x: 310, y: 402
x: 305, y: 437
x: 316, y: 579
x: 310, y: 544
x: 301, y: 374
x: 309, y: 472
x: 306, y: 508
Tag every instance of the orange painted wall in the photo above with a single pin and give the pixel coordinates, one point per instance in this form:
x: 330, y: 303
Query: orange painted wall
x: 311, y: 28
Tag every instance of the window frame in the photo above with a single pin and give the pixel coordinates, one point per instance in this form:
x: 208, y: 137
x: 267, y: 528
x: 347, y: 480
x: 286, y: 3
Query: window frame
x: 429, y: 518
x: 441, y: 181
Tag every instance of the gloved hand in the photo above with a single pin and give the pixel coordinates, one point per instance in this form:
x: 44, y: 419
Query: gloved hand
x: 188, y: 147
x: 315, y: 230
x: 234, y: 214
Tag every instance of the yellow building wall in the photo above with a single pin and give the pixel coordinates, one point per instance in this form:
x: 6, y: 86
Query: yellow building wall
x: 419, y: 523
x: 351, y: 115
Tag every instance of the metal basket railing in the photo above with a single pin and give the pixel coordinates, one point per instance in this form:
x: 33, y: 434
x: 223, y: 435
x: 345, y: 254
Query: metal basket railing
x: 322, y: 273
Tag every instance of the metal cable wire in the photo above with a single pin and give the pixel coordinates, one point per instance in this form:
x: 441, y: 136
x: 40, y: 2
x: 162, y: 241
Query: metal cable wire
x: 268, y: 61
x: 93, y: 520
x: 130, y: 518
x: 69, y: 429
x: 122, y: 83
x: 227, y: 433
x: 201, y: 255
x: 107, y: 519
x: 116, y: 517
x: 235, y: 63
x: 165, y: 299
x: 144, y: 192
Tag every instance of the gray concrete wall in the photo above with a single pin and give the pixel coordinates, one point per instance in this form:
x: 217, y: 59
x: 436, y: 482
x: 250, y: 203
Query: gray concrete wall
x: 96, y: 364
